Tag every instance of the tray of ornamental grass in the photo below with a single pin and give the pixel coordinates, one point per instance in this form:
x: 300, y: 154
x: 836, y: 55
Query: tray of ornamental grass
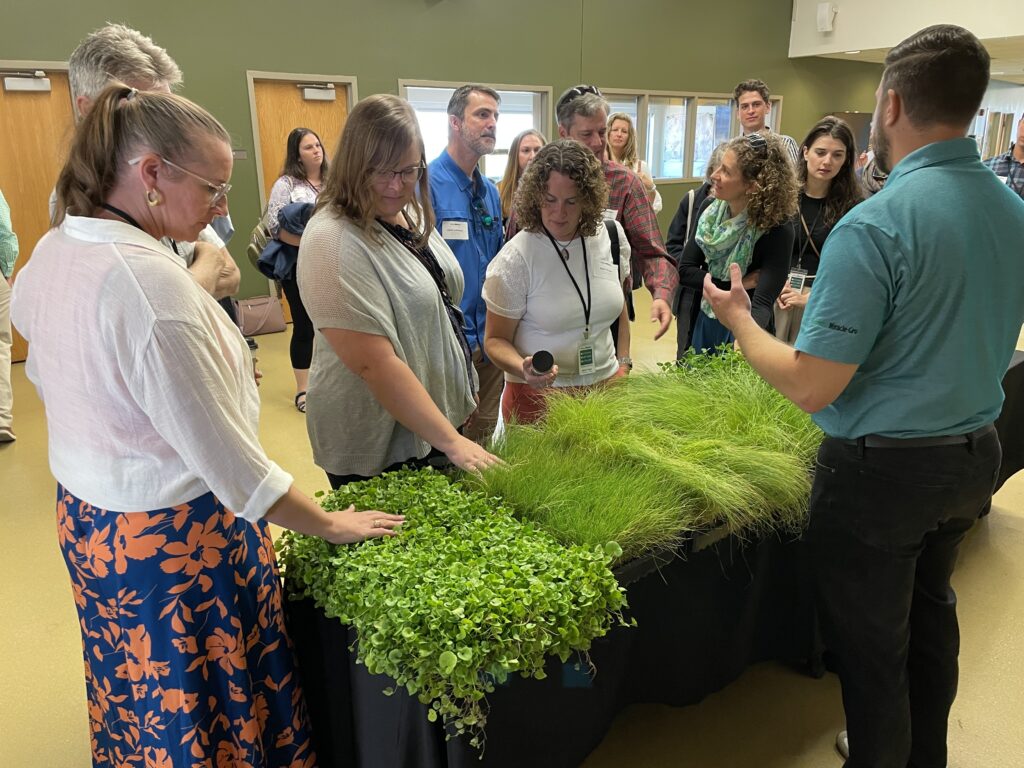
x: 653, y: 459
x: 463, y: 597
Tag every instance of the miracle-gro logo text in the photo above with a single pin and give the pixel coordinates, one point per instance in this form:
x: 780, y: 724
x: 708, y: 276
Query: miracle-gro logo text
x: 842, y: 328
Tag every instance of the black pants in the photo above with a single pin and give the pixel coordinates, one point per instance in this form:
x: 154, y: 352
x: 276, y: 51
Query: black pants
x: 301, y: 347
x: 434, y: 458
x: 885, y: 527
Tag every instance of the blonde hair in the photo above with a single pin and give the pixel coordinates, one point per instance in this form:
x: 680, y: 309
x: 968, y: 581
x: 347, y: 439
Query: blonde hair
x: 571, y: 159
x: 774, y: 194
x: 378, y: 132
x: 514, y: 171
x: 123, y: 122
x: 118, y: 53
x: 629, y: 156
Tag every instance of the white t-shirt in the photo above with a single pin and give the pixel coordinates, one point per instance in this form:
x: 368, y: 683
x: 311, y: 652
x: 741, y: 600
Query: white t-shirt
x: 148, y: 386
x: 527, y: 281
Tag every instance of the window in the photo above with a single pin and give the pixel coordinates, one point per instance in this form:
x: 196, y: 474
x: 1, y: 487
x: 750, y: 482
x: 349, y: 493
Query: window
x: 713, y: 126
x: 677, y: 132
x: 522, y: 107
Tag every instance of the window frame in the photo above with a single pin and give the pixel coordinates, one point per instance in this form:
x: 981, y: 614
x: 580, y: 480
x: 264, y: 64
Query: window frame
x: 643, y: 97
x: 543, y: 92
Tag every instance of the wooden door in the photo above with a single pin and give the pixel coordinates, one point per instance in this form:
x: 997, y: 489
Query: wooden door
x: 37, y: 128
x: 280, y: 106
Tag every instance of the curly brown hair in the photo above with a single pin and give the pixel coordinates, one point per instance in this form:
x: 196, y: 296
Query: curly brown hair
x: 774, y: 193
x: 569, y: 158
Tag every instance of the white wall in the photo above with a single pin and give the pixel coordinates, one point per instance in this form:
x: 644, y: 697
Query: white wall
x: 1004, y: 97
x: 866, y: 24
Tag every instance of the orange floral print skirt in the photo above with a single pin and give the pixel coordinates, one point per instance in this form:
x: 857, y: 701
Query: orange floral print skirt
x: 186, y: 658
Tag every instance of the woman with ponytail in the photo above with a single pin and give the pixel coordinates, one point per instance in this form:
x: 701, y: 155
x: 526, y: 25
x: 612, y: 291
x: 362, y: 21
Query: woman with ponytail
x: 164, y: 492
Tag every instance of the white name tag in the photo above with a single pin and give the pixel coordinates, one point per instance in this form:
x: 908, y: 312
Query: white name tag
x: 455, y: 230
x: 611, y: 214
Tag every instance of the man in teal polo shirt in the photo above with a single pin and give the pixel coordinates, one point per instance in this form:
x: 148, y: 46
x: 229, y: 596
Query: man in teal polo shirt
x: 468, y: 212
x: 915, y: 312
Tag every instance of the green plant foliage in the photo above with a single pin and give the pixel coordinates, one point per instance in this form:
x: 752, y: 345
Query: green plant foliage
x: 658, y: 456
x: 463, y: 597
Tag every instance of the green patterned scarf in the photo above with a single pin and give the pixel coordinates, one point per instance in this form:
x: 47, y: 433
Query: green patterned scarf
x: 725, y: 241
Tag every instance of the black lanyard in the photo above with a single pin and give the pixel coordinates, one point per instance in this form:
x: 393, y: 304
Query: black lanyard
x: 118, y: 212
x: 563, y: 256
x: 808, y: 231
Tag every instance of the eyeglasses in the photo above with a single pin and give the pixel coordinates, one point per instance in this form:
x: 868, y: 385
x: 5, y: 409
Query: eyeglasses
x: 485, y: 218
x: 217, y: 191
x: 574, y: 93
x: 758, y: 142
x: 407, y: 175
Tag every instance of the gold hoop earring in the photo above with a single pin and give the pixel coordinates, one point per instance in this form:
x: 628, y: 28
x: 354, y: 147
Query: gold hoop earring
x: 152, y: 198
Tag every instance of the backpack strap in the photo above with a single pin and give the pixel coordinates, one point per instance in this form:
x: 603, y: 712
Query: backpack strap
x: 613, y: 235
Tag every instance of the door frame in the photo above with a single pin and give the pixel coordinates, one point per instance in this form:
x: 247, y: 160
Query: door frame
x: 251, y: 76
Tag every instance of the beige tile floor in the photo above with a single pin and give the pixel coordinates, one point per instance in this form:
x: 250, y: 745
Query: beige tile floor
x: 770, y: 718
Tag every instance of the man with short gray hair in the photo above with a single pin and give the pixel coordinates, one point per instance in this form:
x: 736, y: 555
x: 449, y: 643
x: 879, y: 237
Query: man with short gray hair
x: 582, y: 114
x: 118, y: 53
x: 468, y: 212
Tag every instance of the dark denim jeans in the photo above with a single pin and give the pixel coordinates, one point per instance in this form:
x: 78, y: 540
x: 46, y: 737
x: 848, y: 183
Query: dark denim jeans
x: 885, y: 526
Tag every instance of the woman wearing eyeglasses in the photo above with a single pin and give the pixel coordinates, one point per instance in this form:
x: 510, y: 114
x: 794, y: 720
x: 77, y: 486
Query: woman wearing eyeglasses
x: 164, y: 492
x: 305, y: 166
x: 556, y: 286
x: 392, y: 379
x: 747, y: 222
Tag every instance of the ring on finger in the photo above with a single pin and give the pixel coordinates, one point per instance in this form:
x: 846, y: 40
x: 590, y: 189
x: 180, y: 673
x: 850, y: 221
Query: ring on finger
x: 377, y: 523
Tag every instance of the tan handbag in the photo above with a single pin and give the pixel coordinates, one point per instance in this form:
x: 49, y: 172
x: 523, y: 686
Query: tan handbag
x: 259, y: 315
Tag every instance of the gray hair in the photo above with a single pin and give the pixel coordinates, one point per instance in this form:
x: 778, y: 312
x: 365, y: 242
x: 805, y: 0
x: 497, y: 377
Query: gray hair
x: 119, y: 53
x: 586, y: 105
x: 457, y: 103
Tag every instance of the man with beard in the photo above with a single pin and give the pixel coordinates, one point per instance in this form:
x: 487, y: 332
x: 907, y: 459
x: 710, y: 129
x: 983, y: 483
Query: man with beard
x: 468, y: 211
x: 913, y: 320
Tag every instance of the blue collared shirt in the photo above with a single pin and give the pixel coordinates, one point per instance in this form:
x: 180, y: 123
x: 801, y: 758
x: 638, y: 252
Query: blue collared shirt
x: 921, y: 287
x: 463, y: 228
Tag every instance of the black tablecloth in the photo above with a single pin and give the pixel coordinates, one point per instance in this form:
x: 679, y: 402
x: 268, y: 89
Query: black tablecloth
x: 701, y: 621
x: 1010, y: 423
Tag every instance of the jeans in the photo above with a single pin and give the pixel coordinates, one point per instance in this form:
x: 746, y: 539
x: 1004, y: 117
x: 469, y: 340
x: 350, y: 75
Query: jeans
x: 885, y: 526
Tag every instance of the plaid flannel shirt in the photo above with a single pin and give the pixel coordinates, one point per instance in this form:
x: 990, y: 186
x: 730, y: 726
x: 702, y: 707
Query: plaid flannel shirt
x: 1011, y: 169
x: 628, y: 198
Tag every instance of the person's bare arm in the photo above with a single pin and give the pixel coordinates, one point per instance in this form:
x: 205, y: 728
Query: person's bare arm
x: 298, y: 513
x: 215, y: 270
x: 498, y: 335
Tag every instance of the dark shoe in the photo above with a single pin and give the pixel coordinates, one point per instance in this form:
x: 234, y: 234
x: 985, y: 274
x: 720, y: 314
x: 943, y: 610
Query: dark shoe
x: 300, y: 401
x: 843, y: 745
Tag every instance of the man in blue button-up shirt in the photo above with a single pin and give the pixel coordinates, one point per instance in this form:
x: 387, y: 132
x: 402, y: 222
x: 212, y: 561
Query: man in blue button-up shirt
x: 468, y: 213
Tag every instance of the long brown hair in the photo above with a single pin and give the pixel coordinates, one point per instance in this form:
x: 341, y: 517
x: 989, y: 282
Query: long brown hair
x: 843, y: 191
x: 629, y: 156
x: 514, y: 171
x: 121, y: 122
x: 379, y: 130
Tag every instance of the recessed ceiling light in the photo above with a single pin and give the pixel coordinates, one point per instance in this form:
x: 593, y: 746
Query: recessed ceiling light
x: 850, y: 53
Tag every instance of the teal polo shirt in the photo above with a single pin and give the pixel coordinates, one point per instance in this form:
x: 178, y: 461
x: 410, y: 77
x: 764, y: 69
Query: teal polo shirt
x: 922, y: 287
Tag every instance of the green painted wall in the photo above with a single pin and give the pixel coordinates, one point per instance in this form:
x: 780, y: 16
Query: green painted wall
x: 656, y: 44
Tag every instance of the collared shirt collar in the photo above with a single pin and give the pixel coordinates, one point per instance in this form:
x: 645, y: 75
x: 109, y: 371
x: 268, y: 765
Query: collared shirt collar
x: 93, y: 230
x: 934, y: 154
x: 464, y: 182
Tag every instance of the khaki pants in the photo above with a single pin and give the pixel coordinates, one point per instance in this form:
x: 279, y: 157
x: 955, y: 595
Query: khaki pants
x: 492, y: 379
x: 6, y: 393
x: 787, y: 321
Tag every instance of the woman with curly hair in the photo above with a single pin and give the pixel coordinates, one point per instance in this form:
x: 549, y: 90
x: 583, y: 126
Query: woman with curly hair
x: 524, y: 148
x: 556, y: 285
x: 829, y: 189
x: 747, y: 222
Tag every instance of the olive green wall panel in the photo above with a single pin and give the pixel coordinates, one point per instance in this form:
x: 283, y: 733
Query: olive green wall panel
x: 654, y: 44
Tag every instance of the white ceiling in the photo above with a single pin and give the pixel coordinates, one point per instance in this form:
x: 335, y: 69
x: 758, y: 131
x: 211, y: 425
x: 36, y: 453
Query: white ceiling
x: 1007, y: 57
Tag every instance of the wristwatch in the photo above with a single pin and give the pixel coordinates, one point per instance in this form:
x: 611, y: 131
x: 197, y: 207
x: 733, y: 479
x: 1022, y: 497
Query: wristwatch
x: 626, y: 361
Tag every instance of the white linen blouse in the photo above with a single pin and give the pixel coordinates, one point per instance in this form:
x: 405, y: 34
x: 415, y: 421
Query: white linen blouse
x: 148, y: 387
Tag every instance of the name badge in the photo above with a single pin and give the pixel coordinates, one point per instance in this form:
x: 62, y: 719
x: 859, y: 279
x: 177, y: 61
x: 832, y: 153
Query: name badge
x: 611, y: 214
x: 455, y: 230
x: 797, y: 278
x: 585, y: 357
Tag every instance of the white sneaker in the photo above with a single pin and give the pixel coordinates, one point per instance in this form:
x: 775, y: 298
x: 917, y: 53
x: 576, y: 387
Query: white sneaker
x: 843, y: 745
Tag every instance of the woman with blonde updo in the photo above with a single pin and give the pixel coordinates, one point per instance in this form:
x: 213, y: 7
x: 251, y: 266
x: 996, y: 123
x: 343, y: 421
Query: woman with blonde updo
x: 747, y: 222
x: 164, y: 493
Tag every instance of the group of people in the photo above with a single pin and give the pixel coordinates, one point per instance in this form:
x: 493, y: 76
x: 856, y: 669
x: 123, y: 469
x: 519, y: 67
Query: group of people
x: 426, y: 296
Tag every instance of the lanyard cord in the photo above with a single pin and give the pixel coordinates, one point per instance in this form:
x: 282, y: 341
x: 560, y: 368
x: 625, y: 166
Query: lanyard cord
x: 118, y: 212
x: 807, y: 232
x: 563, y: 256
